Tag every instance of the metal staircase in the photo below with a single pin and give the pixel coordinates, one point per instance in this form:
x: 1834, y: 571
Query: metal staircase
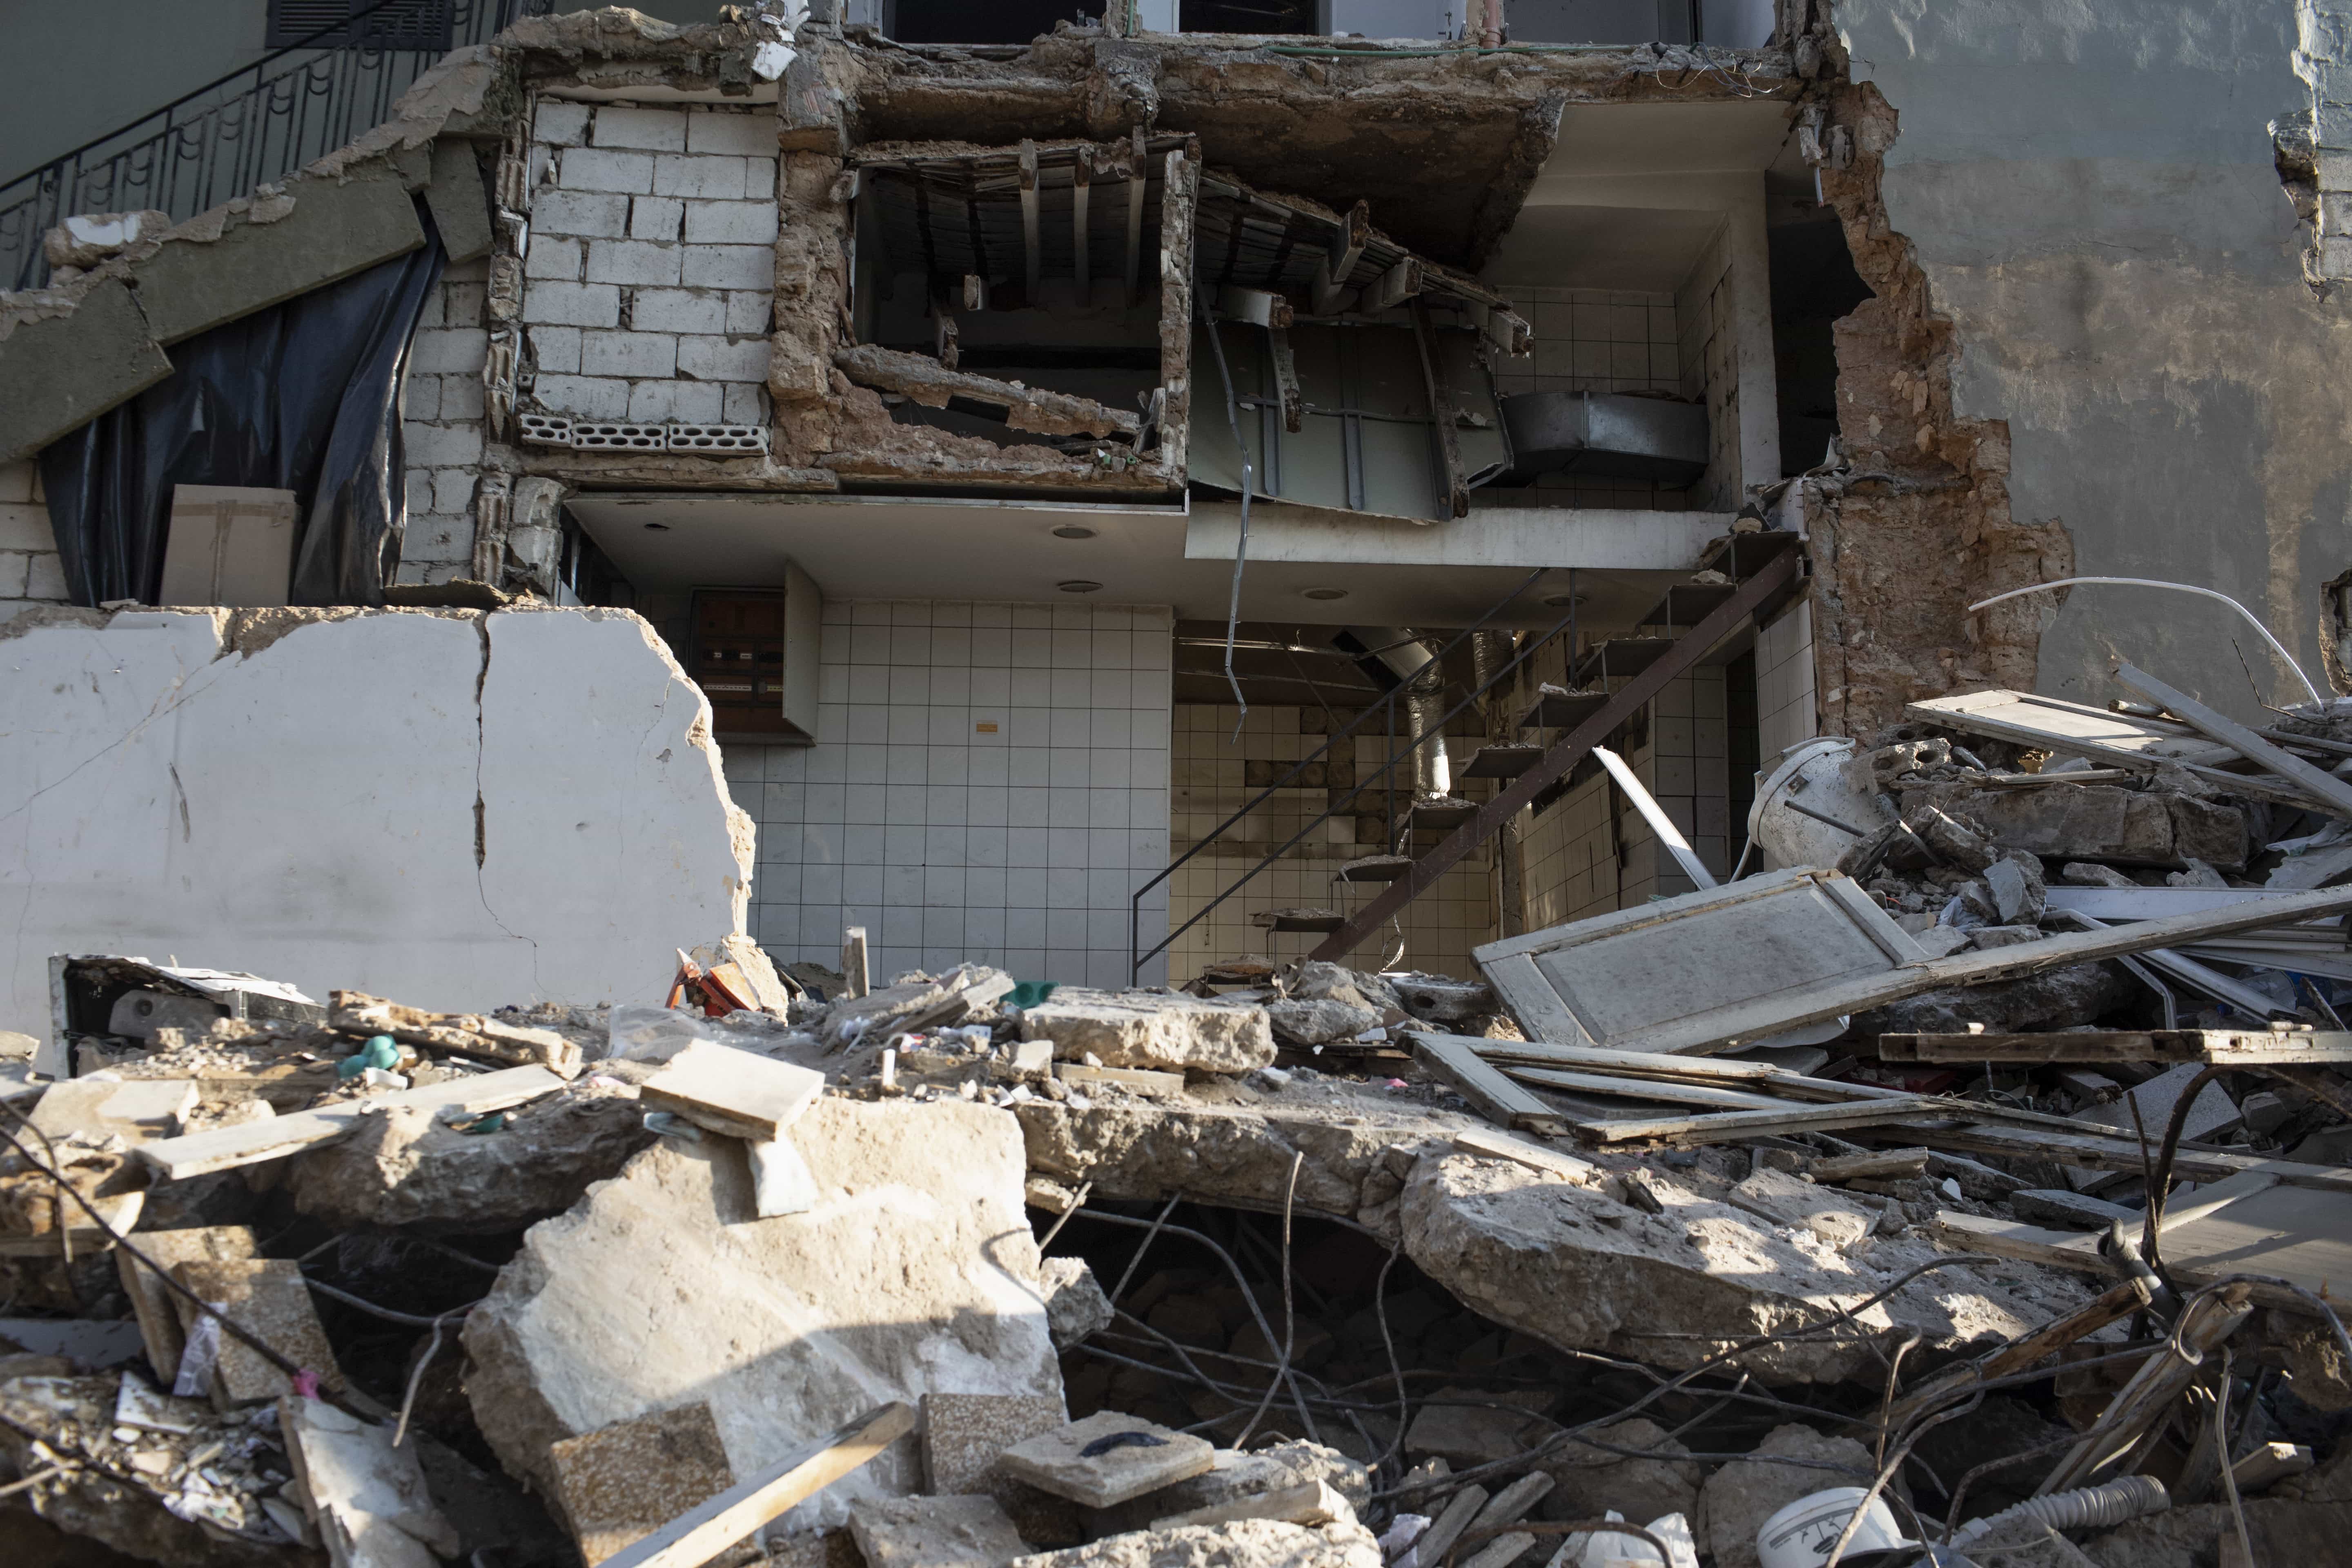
x: 1753, y: 573
x: 257, y: 124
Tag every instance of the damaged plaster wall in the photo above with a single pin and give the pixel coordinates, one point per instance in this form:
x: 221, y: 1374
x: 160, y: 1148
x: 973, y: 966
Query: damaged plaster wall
x: 2110, y: 265
x: 457, y: 809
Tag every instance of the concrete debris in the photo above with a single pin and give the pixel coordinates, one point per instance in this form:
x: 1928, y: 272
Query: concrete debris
x: 1243, y: 1544
x: 367, y: 1497
x: 1076, y: 1307
x: 1106, y: 1458
x: 1792, y: 1462
x: 616, y: 1485
x: 1150, y: 1029
x: 934, y: 1532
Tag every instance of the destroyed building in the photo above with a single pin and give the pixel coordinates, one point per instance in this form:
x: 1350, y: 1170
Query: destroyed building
x: 1282, y: 784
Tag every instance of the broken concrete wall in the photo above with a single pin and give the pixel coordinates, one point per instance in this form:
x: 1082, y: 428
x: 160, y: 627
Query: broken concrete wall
x: 441, y: 413
x: 2094, y: 348
x: 458, y: 809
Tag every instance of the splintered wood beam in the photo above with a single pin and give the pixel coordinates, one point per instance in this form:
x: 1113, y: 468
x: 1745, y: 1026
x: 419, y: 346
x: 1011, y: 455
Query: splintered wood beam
x: 1136, y: 187
x: 1081, y: 187
x: 1454, y: 490
x: 1033, y: 261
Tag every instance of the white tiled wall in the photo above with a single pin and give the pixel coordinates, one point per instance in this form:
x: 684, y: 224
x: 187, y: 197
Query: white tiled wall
x: 989, y: 782
x: 1576, y: 866
x: 1595, y: 340
x: 1786, y: 711
x: 1439, y: 928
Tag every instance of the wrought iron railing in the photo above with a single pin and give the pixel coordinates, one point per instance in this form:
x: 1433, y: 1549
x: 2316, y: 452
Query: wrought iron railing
x: 1384, y: 777
x: 254, y: 125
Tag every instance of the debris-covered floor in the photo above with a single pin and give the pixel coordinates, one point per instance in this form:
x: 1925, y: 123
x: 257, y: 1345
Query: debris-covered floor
x: 1997, y: 1171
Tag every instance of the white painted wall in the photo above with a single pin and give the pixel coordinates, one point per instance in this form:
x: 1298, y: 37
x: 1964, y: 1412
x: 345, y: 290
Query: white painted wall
x: 307, y: 810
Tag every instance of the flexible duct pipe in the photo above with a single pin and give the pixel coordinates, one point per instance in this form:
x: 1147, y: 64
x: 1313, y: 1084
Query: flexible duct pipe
x: 1412, y: 659
x: 2111, y: 1503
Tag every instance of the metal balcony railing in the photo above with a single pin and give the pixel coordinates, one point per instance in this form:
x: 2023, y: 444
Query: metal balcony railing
x: 249, y: 128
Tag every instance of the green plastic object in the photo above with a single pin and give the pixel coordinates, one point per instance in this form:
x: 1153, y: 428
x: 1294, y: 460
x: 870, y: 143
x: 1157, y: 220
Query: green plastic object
x: 1029, y: 993
x: 378, y: 1052
x: 494, y: 1122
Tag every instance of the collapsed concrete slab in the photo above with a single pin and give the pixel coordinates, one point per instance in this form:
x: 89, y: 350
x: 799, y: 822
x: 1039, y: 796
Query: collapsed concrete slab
x: 1152, y: 1029
x: 914, y: 1274
x: 1253, y: 1542
x: 1577, y: 1269
x: 487, y: 807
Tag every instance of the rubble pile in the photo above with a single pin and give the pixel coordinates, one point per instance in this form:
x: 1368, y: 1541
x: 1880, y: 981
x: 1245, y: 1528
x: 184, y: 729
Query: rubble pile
x: 1982, y: 1195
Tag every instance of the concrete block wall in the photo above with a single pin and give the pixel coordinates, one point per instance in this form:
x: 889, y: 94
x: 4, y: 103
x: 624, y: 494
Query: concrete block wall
x: 1210, y: 784
x: 650, y: 276
x: 1595, y: 340
x: 989, y: 782
x: 441, y: 411
x: 30, y: 571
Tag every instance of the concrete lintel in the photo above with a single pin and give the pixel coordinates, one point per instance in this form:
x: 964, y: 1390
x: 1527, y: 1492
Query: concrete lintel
x: 335, y: 229
x: 460, y: 206
x: 1524, y: 537
x: 58, y: 374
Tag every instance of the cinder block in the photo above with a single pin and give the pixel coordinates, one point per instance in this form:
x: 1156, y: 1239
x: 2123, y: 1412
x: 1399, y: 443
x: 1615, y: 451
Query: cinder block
x: 554, y: 258
x: 678, y: 310
x: 585, y: 397
x: 459, y: 349
x: 656, y: 130
x: 600, y: 168
x: 45, y: 577
x: 556, y: 350
x: 453, y: 491
x: 747, y: 133
x: 560, y: 124
x: 655, y: 217
x: 17, y: 480
x: 630, y: 354
x: 730, y: 222
x: 759, y: 179
x: 700, y: 402
x: 596, y: 213
x: 697, y: 175
x: 723, y: 359
x: 443, y: 445
x: 420, y: 398
x: 653, y: 402
x: 729, y: 267
x: 572, y: 304
x: 463, y: 304
x: 632, y: 261
x: 745, y: 404
x: 748, y: 312
x: 13, y: 565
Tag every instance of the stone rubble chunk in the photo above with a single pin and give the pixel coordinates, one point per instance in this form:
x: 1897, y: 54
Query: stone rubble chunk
x: 1152, y: 1029
x: 1459, y: 1426
x: 1076, y: 1307
x: 1237, y: 1475
x: 915, y: 1273
x: 1310, y: 1502
x: 368, y: 1500
x: 1243, y: 1543
x: 1591, y: 1480
x: 1737, y: 1499
x: 1308, y: 1023
x: 1106, y: 1458
x: 620, y: 1483
x: 968, y: 1532
x: 1790, y: 1200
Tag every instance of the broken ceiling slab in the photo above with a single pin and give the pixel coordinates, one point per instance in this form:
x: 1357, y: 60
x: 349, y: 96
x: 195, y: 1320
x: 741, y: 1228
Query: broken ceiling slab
x: 460, y: 204
x: 737, y: 1092
x: 1152, y: 1029
x: 620, y: 1483
x: 135, y: 1111
x: 275, y: 1137
x: 1708, y: 970
x: 60, y: 371
x: 774, y: 1321
x: 2095, y: 822
x: 317, y: 231
x: 1106, y: 1458
x: 1581, y: 1270
x: 1025, y: 408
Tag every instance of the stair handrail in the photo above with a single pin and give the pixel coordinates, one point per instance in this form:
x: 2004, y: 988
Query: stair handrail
x: 1385, y: 774
x: 57, y: 181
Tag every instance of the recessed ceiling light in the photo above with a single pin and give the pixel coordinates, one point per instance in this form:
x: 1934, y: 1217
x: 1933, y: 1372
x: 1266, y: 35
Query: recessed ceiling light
x: 1074, y: 531
x: 1325, y: 593
x: 1562, y: 601
x: 1079, y: 586
x: 658, y: 527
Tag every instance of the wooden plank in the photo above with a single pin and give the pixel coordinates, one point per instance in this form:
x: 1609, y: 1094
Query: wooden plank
x: 2208, y: 1200
x: 1667, y: 1090
x: 2078, y: 1251
x: 1544, y: 1053
x: 2248, y: 1047
x: 224, y: 1147
x: 2318, y: 782
x: 1563, y: 756
x: 1497, y: 1099
x: 2125, y: 739
x: 1753, y: 1124
x: 704, y: 1531
x: 1524, y: 987
x: 2115, y: 1153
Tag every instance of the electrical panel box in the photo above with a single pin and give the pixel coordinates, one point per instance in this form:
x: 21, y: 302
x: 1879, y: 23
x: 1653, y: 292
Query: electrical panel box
x: 754, y: 653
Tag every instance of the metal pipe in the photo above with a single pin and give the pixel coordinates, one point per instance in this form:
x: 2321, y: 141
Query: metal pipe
x: 2276, y: 647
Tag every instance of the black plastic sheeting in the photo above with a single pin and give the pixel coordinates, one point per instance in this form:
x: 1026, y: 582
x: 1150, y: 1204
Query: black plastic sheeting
x: 302, y: 396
